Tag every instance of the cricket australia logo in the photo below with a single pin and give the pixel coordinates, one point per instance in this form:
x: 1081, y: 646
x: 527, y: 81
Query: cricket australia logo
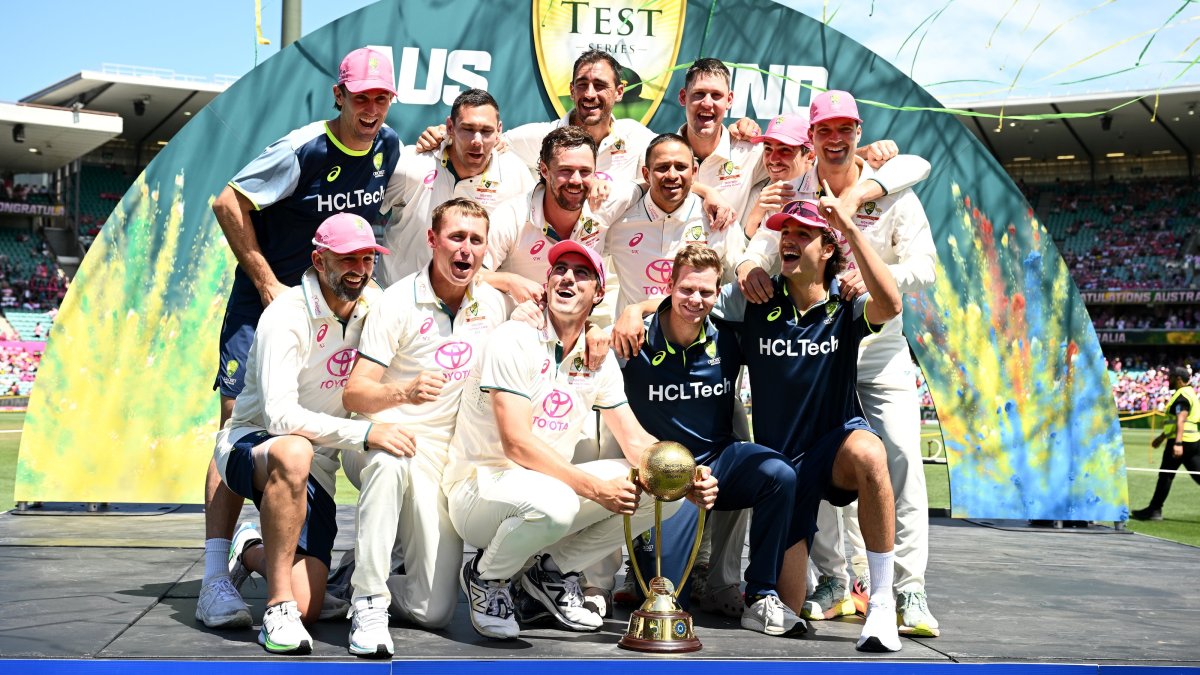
x: 643, y: 36
x: 831, y: 309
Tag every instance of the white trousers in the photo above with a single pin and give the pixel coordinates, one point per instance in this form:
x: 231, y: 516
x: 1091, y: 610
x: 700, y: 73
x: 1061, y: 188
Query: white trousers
x: 513, y: 514
x: 887, y: 392
x: 401, y: 505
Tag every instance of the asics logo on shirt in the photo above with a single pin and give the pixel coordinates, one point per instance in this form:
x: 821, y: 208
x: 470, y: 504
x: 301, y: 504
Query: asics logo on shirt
x: 637, y: 239
x: 537, y: 246
x: 333, y: 175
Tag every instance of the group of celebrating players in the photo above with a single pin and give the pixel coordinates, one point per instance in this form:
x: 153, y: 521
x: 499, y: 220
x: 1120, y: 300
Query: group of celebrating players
x: 551, y: 300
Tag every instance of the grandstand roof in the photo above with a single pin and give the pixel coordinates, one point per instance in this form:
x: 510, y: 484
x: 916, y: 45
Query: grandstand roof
x: 1141, y: 123
x: 154, y: 102
x: 59, y: 135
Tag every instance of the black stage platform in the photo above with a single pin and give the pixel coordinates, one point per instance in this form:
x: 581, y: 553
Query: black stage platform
x: 116, y: 593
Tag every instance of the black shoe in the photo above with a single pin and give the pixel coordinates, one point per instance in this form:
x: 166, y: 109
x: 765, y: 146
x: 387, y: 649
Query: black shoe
x: 1146, y: 514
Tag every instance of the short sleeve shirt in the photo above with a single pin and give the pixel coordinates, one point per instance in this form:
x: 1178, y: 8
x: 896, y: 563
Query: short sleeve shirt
x: 561, y: 389
x: 410, y: 330
x: 618, y: 157
x: 422, y: 182
x: 298, y: 182
x: 803, y: 365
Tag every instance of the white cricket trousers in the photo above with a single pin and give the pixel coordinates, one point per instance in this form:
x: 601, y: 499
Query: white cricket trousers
x: 401, y: 503
x: 512, y: 514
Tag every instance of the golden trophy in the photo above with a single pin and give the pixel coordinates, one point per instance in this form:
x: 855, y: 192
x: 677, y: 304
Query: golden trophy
x: 667, y: 470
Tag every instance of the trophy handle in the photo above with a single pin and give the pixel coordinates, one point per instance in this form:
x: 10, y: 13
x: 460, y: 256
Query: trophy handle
x: 695, y: 544
x: 637, y: 572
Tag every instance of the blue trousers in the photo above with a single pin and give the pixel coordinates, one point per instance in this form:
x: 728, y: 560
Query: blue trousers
x: 748, y: 476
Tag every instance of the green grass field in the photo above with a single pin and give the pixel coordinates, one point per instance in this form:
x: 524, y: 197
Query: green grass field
x: 1181, y: 515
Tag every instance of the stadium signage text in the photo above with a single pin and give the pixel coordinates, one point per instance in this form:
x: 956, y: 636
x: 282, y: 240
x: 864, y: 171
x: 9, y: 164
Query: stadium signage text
x: 1148, y: 337
x: 1140, y: 297
x: 31, y: 209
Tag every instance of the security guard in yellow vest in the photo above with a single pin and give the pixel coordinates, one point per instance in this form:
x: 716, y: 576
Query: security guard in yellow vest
x: 1181, y: 431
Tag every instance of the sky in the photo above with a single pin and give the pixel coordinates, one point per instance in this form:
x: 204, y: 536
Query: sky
x: 960, y: 50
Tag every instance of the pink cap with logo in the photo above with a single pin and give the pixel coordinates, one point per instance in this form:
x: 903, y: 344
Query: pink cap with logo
x: 571, y: 246
x: 364, y: 69
x: 833, y: 104
x: 787, y: 129
x: 803, y: 211
x: 347, y: 233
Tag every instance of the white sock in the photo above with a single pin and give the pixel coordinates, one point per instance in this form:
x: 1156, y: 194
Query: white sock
x: 216, y: 559
x: 881, y: 566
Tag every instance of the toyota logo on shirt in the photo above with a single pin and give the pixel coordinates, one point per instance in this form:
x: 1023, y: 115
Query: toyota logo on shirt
x: 659, y: 271
x: 340, y: 363
x: 453, y: 355
x: 557, y: 404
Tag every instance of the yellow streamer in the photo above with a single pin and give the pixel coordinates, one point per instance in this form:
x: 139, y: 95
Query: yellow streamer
x: 262, y: 39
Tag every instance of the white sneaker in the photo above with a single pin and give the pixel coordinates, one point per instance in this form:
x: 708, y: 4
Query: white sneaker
x: 560, y: 593
x: 879, y: 631
x: 913, y: 617
x: 283, y: 632
x: 247, y: 535
x: 490, y: 603
x: 769, y: 615
x: 221, y: 606
x: 369, y: 634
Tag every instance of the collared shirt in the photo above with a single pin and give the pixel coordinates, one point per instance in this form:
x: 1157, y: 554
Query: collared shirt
x: 562, y: 393
x: 895, y: 225
x: 733, y: 168
x: 426, y: 180
x: 298, y: 182
x: 685, y: 393
x: 520, y: 238
x: 410, y: 330
x: 298, y: 366
x: 803, y: 364
x: 644, y: 241
x: 618, y: 157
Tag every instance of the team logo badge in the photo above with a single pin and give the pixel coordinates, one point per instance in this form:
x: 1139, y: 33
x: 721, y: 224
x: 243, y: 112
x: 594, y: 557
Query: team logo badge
x: 696, y: 233
x: 831, y: 309
x: 728, y: 168
x: 577, y: 364
x: 231, y: 368
x: 590, y: 225
x: 869, y: 208
x: 377, y: 160
x: 643, y: 35
x: 711, y: 349
x: 473, y: 310
x: 332, y: 175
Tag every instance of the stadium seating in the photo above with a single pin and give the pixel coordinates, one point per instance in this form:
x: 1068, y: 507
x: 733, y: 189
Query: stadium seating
x: 99, y: 191
x: 26, y: 323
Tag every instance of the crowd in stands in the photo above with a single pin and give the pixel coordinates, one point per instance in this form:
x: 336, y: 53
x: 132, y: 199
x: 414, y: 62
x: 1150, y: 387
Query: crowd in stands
x: 11, y: 191
x: 1138, y: 317
x: 1124, y: 235
x: 18, y: 368
x: 1140, y: 381
x: 33, y: 284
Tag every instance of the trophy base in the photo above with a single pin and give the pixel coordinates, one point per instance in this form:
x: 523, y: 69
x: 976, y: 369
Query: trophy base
x: 660, y: 633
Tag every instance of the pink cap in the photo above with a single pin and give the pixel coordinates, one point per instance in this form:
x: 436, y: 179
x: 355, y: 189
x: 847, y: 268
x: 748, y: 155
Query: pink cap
x: 346, y: 233
x: 804, y: 212
x: 833, y: 104
x: 788, y: 129
x: 365, y: 69
x: 571, y: 246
